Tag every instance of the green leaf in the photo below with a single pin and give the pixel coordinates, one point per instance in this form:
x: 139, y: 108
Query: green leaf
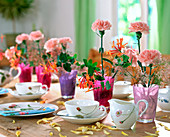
x: 75, y: 56
x: 31, y: 63
x: 3, y: 79
x: 109, y: 61
x: 90, y: 71
x: 44, y: 57
x: 125, y: 65
x: 125, y: 58
x: 97, y: 69
x: 82, y: 66
x: 85, y: 61
x: 59, y: 64
x: 1, y: 73
x: 98, y: 77
x: 102, y: 84
x: 77, y: 63
x: 63, y: 47
x: 94, y: 64
x: 90, y: 62
x: 108, y: 85
x: 49, y: 55
x: 67, y: 67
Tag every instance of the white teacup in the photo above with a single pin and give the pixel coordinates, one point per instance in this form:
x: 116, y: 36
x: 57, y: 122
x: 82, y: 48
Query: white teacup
x: 85, y: 108
x: 30, y: 87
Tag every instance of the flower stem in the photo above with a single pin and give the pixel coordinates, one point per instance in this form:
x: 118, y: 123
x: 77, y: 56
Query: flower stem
x: 150, y: 74
x: 101, y: 50
x: 38, y: 47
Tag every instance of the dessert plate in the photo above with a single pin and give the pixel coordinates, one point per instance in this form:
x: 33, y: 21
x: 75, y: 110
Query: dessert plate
x: 28, y: 96
x: 26, y: 109
x: 99, y: 115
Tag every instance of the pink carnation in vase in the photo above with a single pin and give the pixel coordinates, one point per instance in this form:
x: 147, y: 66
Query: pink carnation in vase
x: 139, y: 26
x: 20, y: 38
x: 149, y: 56
x: 51, y: 45
x: 131, y: 53
x: 64, y: 40
x: 9, y: 53
x: 101, y: 25
x: 36, y: 35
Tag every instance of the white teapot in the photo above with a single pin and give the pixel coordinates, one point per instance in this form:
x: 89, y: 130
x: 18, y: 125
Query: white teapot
x: 6, y: 77
x: 124, y: 114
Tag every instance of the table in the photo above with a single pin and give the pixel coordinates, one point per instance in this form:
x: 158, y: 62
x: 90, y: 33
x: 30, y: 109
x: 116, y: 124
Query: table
x: 29, y: 127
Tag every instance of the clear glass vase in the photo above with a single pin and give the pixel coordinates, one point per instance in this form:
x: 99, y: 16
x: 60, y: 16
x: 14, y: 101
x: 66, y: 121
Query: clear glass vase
x: 67, y: 84
x: 150, y: 95
x: 26, y: 73
x: 103, y: 95
x: 45, y: 79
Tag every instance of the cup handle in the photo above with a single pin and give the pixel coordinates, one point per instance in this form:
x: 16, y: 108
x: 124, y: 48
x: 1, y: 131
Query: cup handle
x: 18, y: 74
x: 146, y: 103
x: 44, y: 87
x: 102, y: 108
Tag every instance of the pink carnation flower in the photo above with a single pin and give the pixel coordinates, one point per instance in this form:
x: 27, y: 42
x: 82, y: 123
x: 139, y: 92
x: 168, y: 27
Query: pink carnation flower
x: 149, y: 56
x: 131, y: 53
x: 64, y: 40
x: 20, y: 38
x: 36, y: 35
x: 9, y: 53
x: 139, y: 26
x: 51, y: 45
x: 101, y: 25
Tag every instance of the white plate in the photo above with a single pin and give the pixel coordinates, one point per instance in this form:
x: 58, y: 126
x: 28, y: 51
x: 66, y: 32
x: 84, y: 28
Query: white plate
x: 99, y: 115
x: 27, y: 97
x: 32, y: 104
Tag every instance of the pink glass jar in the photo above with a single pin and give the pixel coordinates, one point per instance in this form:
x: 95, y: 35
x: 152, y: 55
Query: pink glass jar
x: 150, y: 95
x: 26, y: 72
x: 45, y: 79
x: 103, y: 95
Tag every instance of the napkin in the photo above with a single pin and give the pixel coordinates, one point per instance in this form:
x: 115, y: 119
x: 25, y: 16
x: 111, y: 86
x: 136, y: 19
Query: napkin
x: 3, y: 91
x: 28, y: 112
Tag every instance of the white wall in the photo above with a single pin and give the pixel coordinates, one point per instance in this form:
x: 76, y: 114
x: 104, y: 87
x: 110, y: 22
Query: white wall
x: 56, y: 17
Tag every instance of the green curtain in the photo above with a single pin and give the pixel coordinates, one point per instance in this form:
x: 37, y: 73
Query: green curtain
x: 160, y: 28
x: 85, y: 15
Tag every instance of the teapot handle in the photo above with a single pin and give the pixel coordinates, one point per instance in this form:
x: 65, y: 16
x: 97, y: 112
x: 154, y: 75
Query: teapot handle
x: 18, y: 74
x: 146, y: 103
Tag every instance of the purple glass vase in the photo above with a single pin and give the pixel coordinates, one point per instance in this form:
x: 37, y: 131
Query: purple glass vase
x: 67, y: 84
x: 103, y: 95
x: 150, y: 95
x: 45, y: 79
x: 26, y: 73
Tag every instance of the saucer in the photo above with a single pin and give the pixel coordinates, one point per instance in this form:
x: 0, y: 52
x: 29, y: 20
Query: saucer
x: 4, y: 91
x: 99, y: 115
x: 27, y: 96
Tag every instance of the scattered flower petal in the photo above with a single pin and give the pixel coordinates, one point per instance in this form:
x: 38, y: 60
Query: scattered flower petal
x: 153, y: 127
x: 45, y: 120
x: 164, y: 116
x: 61, y: 103
x: 151, y: 134
x: 123, y: 133
x: 54, y: 124
x: 51, y: 134
x: 13, y: 121
x: 18, y: 133
x: 106, y: 132
x: 166, y: 128
x: 160, y: 124
x: 57, y: 128
x: 60, y: 135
